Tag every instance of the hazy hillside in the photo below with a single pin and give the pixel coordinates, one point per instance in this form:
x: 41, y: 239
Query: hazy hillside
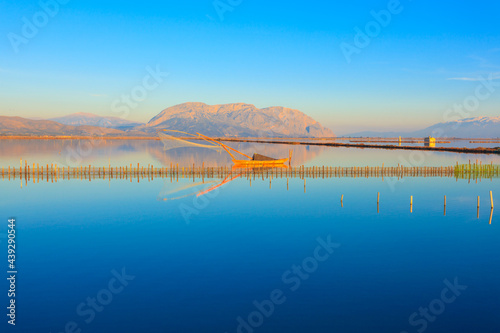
x: 89, y: 119
x: 243, y: 120
x: 23, y: 126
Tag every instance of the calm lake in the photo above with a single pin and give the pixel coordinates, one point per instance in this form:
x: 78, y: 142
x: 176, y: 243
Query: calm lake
x: 151, y: 256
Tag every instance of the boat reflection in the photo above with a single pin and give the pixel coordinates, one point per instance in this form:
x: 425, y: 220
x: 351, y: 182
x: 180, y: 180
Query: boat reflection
x: 224, y: 182
x: 192, y: 189
x: 171, y: 192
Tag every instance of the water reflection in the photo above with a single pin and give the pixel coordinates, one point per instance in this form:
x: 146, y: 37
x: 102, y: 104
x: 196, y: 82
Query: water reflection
x: 190, y: 190
x: 243, y: 233
x: 74, y: 153
x: 125, y: 152
x: 169, y: 192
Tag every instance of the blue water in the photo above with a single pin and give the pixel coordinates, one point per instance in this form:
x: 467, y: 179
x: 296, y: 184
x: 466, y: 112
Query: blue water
x: 199, y: 264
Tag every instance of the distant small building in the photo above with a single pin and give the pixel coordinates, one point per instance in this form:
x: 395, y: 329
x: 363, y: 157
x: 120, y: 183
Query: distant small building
x: 430, y: 142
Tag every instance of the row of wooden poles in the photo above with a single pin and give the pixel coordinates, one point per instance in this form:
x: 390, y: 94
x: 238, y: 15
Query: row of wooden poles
x: 474, y: 171
x: 411, y: 200
x: 54, y: 172
x: 492, y: 206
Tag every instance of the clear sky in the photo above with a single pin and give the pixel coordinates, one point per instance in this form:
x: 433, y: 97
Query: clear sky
x: 404, y: 74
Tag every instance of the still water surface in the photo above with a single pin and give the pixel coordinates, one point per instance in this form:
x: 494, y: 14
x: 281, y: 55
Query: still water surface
x: 114, y: 256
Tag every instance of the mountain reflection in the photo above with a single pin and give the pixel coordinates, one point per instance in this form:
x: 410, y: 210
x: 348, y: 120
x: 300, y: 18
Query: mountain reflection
x: 118, y: 152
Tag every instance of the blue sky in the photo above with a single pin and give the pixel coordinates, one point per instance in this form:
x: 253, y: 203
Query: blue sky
x: 419, y: 63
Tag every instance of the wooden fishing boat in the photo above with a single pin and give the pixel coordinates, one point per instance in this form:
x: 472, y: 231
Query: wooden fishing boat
x: 257, y: 161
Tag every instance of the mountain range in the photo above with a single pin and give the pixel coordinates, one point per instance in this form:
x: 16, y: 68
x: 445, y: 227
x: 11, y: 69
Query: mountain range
x: 478, y: 127
x: 227, y: 120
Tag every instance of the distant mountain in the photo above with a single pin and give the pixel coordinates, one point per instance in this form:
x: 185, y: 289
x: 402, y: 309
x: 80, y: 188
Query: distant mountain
x: 373, y: 134
x: 237, y: 120
x: 479, y: 127
x: 89, y: 119
x: 23, y: 126
x: 231, y: 120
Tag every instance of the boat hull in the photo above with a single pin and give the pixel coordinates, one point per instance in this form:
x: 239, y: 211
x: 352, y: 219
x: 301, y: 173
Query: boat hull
x: 259, y: 164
